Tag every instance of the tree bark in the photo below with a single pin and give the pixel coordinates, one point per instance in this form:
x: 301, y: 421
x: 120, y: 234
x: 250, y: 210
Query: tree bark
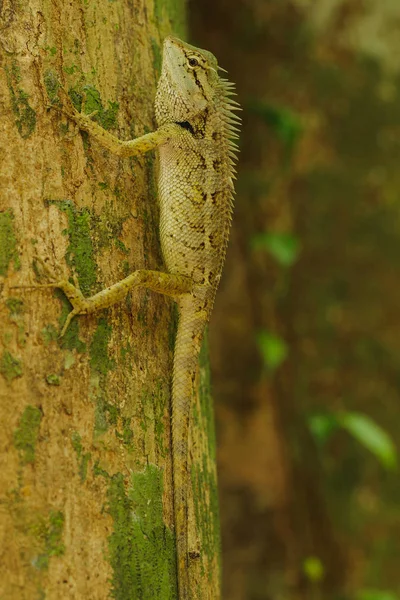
x: 86, y: 485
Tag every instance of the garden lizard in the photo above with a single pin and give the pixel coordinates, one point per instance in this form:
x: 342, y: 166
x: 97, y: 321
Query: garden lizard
x: 196, y: 128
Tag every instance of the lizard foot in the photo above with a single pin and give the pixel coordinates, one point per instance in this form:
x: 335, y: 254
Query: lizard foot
x: 72, y: 292
x: 67, y: 108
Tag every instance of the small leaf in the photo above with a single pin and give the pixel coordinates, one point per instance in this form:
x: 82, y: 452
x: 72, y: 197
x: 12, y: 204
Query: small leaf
x: 313, y: 569
x: 284, y: 121
x: 322, y: 426
x: 274, y: 349
x: 284, y: 247
x: 370, y: 435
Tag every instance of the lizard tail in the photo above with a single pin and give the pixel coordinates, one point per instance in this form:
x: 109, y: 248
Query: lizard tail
x: 187, y: 348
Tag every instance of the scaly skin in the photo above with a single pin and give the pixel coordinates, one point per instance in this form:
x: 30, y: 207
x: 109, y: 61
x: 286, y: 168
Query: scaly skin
x: 196, y: 125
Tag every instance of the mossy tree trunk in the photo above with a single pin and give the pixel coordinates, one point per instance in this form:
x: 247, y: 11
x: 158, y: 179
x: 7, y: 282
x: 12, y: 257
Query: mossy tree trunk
x: 85, y: 478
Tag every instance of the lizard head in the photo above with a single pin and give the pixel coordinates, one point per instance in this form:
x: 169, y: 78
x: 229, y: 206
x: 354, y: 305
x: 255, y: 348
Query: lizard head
x: 188, y: 82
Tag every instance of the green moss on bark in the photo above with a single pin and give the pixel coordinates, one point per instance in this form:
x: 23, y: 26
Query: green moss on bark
x: 83, y: 457
x: 51, y: 83
x: 26, y: 434
x: 80, y: 252
x: 10, y: 367
x: 99, y: 358
x: 48, y: 532
x: 141, y: 546
x: 53, y: 379
x: 89, y: 100
x: 8, y: 242
x: 15, y: 306
x: 25, y: 115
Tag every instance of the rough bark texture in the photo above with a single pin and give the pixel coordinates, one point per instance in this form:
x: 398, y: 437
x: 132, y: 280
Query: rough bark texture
x: 85, y: 476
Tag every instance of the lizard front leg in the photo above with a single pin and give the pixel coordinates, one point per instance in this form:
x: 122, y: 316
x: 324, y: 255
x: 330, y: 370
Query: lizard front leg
x: 135, y: 147
x: 164, y: 283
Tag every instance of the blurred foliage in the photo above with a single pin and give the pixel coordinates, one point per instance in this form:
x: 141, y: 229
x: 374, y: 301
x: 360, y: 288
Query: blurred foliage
x: 362, y: 428
x: 376, y: 595
x: 313, y: 568
x: 273, y: 349
x: 311, y: 296
x: 282, y: 121
x: 284, y: 247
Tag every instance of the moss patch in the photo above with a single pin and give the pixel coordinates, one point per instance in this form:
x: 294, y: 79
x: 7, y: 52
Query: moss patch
x: 109, y: 226
x: 80, y: 258
x: 141, y: 546
x: 154, y: 402
x: 70, y: 340
x: 25, y: 115
x: 49, y: 334
x: 49, y: 534
x: 10, y: 367
x: 99, y: 358
x: 83, y: 457
x: 204, y: 484
x: 157, y: 56
x: 205, y: 494
x: 15, y: 306
x: 106, y: 414
x: 80, y: 254
x: 53, y: 379
x: 98, y: 471
x: 51, y: 83
x: 89, y: 99
x: 126, y: 435
x: 26, y: 434
x: 8, y: 242
x: 206, y: 403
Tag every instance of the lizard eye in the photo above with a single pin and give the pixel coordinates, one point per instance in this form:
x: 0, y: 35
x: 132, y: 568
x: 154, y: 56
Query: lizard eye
x: 193, y: 62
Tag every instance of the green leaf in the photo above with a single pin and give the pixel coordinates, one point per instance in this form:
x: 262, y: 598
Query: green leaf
x: 376, y: 595
x: 284, y: 247
x: 283, y: 121
x: 313, y: 569
x: 370, y: 435
x: 322, y: 426
x: 273, y: 349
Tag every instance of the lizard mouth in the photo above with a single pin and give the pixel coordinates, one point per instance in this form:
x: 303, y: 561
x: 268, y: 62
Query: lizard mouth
x: 185, y: 125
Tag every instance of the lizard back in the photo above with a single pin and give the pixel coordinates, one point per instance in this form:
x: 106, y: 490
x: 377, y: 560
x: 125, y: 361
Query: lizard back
x: 196, y: 172
x: 197, y: 168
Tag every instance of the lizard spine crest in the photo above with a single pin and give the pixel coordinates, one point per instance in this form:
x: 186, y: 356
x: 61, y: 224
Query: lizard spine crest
x: 197, y: 171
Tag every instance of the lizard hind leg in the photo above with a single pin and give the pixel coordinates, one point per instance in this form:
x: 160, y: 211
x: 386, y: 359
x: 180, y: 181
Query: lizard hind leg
x: 165, y: 283
x: 72, y: 292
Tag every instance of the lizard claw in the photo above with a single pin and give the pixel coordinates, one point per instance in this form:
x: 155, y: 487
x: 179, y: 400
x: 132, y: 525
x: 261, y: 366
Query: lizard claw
x: 72, y: 292
x: 63, y: 103
x: 80, y: 118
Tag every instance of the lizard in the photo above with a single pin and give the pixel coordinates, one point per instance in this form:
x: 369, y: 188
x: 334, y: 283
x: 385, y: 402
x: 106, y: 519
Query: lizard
x: 196, y: 129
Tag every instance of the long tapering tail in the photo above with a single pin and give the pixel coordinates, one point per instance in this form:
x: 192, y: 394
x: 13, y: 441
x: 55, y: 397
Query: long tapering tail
x: 187, y: 348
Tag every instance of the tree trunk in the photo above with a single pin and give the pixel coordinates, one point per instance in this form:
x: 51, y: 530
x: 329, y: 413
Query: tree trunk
x: 85, y: 478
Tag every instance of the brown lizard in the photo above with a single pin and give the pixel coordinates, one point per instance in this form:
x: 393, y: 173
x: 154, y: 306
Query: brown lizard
x: 196, y: 126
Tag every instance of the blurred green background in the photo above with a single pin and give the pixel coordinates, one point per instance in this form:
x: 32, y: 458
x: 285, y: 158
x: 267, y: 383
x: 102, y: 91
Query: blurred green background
x: 305, y: 337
